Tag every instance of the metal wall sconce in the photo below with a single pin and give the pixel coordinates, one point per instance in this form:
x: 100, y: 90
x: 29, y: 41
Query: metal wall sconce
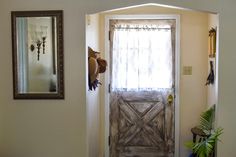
x: 212, y: 43
x: 38, y: 39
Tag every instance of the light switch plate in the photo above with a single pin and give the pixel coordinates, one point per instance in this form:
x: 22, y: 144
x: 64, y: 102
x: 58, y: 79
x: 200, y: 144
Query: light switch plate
x: 187, y: 70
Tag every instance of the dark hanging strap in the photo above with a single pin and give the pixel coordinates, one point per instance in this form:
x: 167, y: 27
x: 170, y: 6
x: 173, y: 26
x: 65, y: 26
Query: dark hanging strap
x: 211, y: 76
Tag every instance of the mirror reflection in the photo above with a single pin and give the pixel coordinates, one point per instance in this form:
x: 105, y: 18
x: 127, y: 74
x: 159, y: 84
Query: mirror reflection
x: 36, y: 48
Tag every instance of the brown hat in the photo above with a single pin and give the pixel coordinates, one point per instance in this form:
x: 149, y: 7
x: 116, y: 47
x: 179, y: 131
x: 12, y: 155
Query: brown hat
x: 102, y: 64
x: 96, y: 66
x: 92, y: 53
x: 93, y: 69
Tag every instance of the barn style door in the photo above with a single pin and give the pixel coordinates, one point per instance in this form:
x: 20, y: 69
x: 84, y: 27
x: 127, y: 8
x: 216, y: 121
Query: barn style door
x: 141, y: 124
x: 142, y: 88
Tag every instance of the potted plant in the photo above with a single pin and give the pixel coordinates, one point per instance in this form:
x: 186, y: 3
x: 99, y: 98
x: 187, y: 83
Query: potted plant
x: 205, y: 146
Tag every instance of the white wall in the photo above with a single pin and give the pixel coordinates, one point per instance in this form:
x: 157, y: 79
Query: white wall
x: 57, y: 128
x: 193, y: 52
x: 213, y: 22
x: 93, y: 99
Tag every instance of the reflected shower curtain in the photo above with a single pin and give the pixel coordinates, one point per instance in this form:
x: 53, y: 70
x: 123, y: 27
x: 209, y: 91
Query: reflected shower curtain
x: 22, y: 54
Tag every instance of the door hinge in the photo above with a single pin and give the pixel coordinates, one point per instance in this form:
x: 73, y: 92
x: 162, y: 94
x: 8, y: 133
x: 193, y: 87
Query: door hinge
x: 109, y: 35
x: 109, y: 140
x: 109, y: 88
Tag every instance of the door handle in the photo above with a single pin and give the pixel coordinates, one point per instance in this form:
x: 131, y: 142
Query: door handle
x: 170, y: 99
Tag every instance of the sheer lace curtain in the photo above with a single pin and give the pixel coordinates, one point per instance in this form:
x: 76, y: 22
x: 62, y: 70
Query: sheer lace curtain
x: 142, y: 56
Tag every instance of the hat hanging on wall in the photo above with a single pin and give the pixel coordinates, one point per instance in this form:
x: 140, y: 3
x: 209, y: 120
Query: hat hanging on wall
x: 96, y: 65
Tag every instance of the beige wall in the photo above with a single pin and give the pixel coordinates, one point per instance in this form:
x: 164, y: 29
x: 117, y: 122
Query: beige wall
x: 93, y: 100
x: 1, y: 129
x: 46, y: 128
x: 226, y: 78
x: 193, y: 52
x: 2, y: 95
x: 57, y: 128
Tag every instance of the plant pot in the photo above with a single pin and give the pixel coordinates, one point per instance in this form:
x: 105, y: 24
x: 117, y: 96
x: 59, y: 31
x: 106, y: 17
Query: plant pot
x: 191, y: 155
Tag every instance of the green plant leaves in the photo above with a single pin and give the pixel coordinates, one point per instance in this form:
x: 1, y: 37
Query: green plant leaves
x: 205, y: 147
x: 207, y: 120
x: 189, y: 144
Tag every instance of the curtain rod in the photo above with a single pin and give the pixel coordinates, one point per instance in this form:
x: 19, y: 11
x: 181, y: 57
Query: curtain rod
x: 141, y: 28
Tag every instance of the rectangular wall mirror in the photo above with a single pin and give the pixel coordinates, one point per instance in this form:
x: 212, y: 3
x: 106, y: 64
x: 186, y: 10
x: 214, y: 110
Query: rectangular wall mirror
x: 37, y: 45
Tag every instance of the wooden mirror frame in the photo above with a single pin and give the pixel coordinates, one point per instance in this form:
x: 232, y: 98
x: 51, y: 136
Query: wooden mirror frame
x: 59, y: 94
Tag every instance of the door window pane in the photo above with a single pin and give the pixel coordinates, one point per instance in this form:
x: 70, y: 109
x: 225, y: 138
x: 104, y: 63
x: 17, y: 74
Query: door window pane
x: 142, y: 57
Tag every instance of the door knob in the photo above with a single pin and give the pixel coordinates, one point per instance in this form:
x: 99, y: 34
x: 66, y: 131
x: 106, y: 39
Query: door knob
x: 170, y: 99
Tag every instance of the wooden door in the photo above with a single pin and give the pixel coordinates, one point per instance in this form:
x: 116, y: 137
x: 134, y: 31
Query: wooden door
x: 142, y: 121
x: 141, y: 124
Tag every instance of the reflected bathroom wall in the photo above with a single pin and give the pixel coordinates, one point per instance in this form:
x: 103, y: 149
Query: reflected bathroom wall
x: 36, y: 54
